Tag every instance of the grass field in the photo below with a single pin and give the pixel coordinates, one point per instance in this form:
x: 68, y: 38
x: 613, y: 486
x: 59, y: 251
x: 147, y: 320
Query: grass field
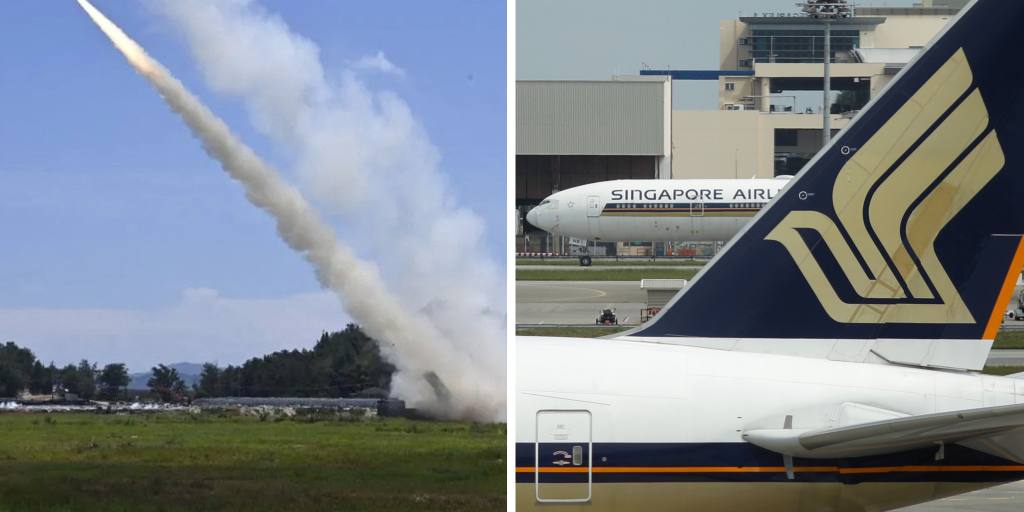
x: 1002, y: 370
x: 1009, y: 339
x: 606, y: 274
x: 569, y: 332
x: 171, y: 462
x: 675, y: 262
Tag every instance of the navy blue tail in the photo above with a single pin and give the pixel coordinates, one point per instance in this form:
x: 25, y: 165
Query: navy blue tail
x: 907, y: 226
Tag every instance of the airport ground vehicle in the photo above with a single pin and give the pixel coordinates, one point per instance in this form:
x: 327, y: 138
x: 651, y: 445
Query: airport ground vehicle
x: 1017, y: 313
x: 607, y: 317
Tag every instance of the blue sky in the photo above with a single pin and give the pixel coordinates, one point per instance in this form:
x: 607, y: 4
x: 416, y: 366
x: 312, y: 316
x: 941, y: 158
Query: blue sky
x: 109, y: 209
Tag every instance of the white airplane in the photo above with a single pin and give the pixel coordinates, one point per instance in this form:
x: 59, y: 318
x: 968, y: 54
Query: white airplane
x: 827, y: 359
x: 654, y: 210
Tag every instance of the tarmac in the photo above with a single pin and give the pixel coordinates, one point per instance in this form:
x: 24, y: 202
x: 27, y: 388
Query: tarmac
x: 1006, y: 357
x: 580, y: 302
x: 577, y: 302
x: 1004, y: 498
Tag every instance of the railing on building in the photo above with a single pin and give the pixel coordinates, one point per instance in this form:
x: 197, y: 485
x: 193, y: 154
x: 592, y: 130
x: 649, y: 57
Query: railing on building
x: 798, y: 49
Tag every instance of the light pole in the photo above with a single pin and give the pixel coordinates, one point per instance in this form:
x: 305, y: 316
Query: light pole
x: 826, y: 121
x: 828, y: 11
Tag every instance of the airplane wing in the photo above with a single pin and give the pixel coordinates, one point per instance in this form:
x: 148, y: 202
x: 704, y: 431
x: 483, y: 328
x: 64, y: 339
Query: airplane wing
x: 988, y: 429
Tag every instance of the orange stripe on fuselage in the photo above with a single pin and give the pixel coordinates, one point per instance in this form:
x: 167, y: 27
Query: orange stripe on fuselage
x: 780, y: 469
x: 996, y: 319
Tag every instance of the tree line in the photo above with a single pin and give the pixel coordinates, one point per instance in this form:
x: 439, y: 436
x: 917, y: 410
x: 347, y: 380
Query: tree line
x: 20, y: 370
x: 344, y: 363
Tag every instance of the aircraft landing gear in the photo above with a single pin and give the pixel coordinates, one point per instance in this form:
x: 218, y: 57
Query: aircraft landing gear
x: 585, y: 261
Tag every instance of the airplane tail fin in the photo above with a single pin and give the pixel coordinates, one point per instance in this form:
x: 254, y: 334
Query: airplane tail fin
x: 907, y: 227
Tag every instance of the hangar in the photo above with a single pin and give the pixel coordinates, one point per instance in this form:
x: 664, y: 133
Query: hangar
x: 571, y: 133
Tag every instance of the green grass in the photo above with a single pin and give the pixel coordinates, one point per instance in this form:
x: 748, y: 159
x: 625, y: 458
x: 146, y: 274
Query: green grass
x: 172, y: 462
x: 592, y: 274
x: 1009, y: 339
x: 678, y: 262
x: 569, y: 332
x: 1002, y: 370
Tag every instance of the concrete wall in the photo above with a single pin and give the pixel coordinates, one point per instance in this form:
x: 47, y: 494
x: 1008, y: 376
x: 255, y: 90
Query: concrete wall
x: 945, y: 3
x: 592, y: 117
x: 745, y: 87
x: 729, y: 32
x: 724, y: 144
x: 904, y: 32
x: 717, y: 144
x: 665, y: 161
x: 776, y: 70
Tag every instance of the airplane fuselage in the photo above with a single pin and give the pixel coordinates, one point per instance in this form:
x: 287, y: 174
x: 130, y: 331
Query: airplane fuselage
x: 655, y: 210
x: 658, y: 426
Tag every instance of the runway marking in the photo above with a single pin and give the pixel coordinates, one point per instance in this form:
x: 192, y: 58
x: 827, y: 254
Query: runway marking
x: 593, y: 293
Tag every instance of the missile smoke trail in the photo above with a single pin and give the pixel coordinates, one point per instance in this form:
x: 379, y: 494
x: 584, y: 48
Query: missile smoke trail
x: 409, y: 339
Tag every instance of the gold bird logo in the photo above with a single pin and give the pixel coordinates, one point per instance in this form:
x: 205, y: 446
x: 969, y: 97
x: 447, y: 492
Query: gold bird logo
x: 893, y: 197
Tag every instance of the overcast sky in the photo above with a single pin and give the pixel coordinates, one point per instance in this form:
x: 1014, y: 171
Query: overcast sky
x: 595, y: 39
x: 120, y: 239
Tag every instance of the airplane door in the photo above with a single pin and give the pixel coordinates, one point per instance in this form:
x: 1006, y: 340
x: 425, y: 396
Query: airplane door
x: 563, y: 470
x: 594, y: 216
x: 696, y: 218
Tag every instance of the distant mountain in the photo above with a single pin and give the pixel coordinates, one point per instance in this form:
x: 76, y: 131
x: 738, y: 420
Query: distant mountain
x: 189, y: 372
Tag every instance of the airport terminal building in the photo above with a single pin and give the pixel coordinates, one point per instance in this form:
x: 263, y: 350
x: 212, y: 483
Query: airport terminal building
x: 767, y: 123
x: 767, y: 62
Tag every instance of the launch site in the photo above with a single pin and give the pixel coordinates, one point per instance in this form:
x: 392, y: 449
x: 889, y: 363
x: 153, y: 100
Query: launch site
x: 227, y: 283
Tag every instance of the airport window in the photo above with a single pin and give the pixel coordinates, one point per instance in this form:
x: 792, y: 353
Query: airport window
x: 799, y: 45
x: 785, y: 137
x: 730, y: 86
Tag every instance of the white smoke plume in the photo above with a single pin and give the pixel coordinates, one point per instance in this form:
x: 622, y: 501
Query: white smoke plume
x: 379, y: 63
x: 469, y: 359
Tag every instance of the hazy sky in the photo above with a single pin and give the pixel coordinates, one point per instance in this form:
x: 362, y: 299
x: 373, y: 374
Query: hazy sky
x: 595, y: 39
x: 120, y: 239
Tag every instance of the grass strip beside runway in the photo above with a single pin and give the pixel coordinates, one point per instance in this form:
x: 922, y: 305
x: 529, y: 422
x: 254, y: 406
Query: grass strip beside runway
x: 569, y: 332
x: 1002, y: 370
x: 1009, y: 339
x: 613, y: 274
x: 675, y: 262
x: 177, y: 462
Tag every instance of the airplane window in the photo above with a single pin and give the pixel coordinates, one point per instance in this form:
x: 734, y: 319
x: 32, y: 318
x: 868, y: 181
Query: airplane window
x: 553, y: 204
x: 544, y: 202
